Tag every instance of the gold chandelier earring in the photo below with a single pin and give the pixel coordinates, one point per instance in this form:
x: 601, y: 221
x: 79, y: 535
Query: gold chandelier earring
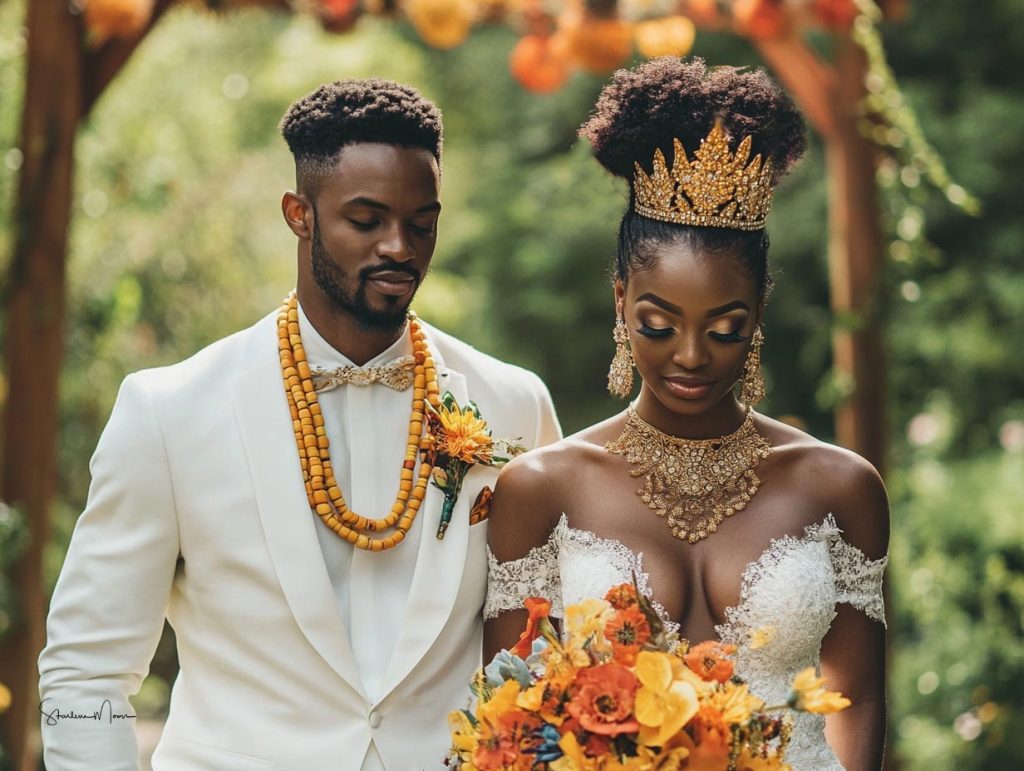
x: 752, y: 388
x: 620, y: 375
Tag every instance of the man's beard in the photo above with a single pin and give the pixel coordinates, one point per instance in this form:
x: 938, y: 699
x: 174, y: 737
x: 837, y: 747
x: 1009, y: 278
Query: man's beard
x: 334, y: 281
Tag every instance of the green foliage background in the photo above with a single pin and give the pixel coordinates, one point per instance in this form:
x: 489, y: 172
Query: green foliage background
x: 177, y: 240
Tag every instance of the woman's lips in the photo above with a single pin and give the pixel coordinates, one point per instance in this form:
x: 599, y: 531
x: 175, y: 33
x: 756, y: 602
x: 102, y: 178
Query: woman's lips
x: 689, y: 388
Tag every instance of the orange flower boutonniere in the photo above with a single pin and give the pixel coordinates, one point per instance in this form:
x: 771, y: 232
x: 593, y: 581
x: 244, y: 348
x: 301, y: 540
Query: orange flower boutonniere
x: 460, y: 439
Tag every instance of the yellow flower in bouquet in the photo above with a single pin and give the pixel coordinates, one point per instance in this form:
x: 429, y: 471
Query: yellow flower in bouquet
x: 502, y: 700
x: 667, y: 701
x: 584, y: 629
x: 614, y: 692
x: 573, y: 756
x: 532, y: 699
x: 464, y: 738
x: 809, y: 695
x: 735, y: 702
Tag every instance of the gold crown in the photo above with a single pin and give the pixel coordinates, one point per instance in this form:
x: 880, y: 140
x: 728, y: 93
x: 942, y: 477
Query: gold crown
x: 716, y: 189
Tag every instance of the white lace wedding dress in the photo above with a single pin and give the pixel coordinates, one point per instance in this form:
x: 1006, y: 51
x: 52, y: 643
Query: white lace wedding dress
x: 793, y: 587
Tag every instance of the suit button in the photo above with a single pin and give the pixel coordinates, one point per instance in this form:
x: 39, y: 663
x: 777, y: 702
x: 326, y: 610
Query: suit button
x: 375, y: 718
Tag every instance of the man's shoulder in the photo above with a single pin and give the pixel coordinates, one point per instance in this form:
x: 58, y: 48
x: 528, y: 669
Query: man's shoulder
x: 211, y: 367
x: 482, y: 368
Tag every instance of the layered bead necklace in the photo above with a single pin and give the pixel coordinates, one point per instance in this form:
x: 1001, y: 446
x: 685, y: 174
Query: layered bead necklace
x: 322, y: 491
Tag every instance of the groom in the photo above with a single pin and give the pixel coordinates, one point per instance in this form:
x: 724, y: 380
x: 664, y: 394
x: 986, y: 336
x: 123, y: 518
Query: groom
x: 307, y: 638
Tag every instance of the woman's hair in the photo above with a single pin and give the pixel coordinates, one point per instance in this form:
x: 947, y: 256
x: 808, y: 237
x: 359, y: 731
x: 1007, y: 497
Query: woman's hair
x: 646, y: 108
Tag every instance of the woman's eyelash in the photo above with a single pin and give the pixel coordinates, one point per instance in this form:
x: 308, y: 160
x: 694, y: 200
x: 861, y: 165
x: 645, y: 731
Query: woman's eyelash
x: 729, y: 337
x: 662, y: 332
x: 654, y: 332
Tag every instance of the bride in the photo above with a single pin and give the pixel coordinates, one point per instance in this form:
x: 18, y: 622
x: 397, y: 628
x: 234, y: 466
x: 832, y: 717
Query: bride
x: 733, y: 523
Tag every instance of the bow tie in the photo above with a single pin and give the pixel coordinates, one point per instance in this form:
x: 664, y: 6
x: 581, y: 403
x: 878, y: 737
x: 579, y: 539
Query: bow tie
x: 397, y: 374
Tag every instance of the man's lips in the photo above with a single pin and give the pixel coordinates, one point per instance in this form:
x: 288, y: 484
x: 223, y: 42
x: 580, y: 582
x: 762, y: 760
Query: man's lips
x: 392, y: 282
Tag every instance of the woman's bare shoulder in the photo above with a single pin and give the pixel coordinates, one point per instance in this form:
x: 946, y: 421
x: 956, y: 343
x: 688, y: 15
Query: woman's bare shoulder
x: 543, y: 480
x: 840, y: 481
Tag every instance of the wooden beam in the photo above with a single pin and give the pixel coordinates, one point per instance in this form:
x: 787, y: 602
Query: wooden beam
x: 810, y: 80
x: 855, y: 261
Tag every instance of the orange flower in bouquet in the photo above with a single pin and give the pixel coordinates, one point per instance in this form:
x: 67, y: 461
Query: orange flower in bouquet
x: 627, y: 631
x: 710, y: 660
x: 537, y: 609
x: 615, y: 691
x: 602, y: 700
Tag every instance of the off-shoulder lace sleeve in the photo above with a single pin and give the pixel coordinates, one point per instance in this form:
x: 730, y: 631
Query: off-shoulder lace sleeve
x: 858, y: 579
x: 535, y: 575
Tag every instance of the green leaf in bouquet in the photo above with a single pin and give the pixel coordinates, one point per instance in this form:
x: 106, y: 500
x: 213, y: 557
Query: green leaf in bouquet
x: 474, y: 410
x: 479, y: 686
x: 659, y: 640
x: 448, y: 401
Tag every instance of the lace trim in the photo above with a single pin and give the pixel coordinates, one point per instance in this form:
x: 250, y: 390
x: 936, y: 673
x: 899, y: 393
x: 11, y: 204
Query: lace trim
x: 769, y: 670
x: 533, y: 575
x: 808, y: 750
x: 858, y: 580
x: 537, y: 573
x: 624, y: 558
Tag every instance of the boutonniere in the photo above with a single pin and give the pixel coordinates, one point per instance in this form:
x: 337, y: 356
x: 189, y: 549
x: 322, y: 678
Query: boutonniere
x: 460, y: 439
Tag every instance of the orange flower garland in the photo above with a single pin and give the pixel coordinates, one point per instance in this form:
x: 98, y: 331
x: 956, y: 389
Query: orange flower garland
x: 314, y: 449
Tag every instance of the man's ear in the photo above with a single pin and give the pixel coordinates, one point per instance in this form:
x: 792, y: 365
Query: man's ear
x: 298, y: 214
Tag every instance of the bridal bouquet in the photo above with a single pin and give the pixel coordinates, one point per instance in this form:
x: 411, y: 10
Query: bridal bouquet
x: 616, y: 692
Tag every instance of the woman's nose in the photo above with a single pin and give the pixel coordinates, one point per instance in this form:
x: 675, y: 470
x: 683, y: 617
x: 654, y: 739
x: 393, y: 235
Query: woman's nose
x: 691, y: 353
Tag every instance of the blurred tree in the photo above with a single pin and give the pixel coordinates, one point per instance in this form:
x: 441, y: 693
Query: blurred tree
x: 957, y: 562
x: 58, y: 52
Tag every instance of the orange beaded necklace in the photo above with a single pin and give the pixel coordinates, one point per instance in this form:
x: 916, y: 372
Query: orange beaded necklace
x: 314, y: 450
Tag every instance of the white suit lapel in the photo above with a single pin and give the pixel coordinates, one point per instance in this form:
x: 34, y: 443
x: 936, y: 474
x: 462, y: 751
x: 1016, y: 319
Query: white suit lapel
x: 265, y: 423
x: 439, y: 563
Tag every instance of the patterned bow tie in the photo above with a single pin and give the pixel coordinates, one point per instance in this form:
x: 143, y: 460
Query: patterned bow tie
x: 397, y: 374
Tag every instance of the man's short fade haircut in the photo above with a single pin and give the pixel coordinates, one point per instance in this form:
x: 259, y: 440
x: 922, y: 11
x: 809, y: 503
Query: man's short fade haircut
x: 320, y: 124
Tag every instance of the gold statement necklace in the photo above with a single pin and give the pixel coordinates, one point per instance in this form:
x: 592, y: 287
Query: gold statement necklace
x: 693, y: 483
x: 325, y: 498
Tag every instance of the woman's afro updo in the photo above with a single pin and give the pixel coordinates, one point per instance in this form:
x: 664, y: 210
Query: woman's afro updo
x: 647, y: 107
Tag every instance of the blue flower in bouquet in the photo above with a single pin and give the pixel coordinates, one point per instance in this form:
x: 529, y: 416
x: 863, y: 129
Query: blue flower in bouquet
x: 506, y: 666
x: 547, y: 748
x: 535, y: 660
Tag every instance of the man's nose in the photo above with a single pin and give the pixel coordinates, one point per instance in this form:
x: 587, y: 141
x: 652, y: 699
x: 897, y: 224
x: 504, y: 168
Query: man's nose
x: 396, y: 244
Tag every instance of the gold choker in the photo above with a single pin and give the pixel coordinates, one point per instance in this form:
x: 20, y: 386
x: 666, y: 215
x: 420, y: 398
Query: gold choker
x: 693, y: 483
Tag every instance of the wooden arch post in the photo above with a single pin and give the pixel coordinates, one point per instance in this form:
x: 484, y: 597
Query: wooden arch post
x: 830, y: 96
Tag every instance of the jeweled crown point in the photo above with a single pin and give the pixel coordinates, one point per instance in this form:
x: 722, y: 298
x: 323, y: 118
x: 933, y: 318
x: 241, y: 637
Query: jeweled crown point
x: 716, y: 188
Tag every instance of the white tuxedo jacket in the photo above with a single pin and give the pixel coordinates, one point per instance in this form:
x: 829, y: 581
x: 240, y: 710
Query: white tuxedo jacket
x: 197, y: 511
